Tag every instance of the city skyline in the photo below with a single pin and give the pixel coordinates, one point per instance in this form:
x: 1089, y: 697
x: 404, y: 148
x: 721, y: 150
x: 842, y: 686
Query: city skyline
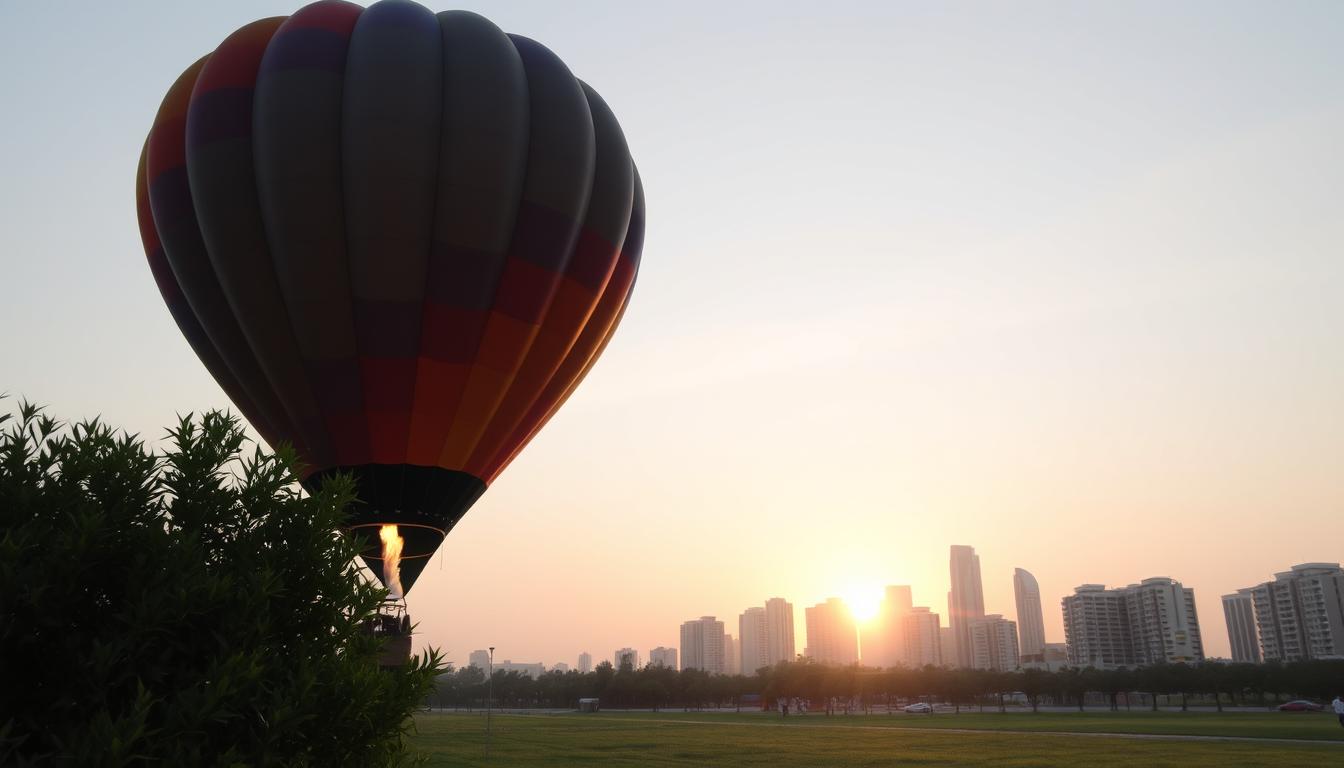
x: 1152, y: 619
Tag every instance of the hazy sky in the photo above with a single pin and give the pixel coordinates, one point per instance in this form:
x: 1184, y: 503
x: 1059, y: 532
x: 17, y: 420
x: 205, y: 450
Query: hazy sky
x: 1060, y: 281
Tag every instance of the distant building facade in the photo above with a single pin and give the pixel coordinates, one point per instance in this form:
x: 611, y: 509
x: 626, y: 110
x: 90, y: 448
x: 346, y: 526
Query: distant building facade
x: 1165, y: 622
x: 585, y: 662
x: 732, y: 655
x: 624, y: 655
x: 663, y: 657
x: 530, y: 669
x: 965, y: 602
x: 1300, y: 614
x: 922, y: 642
x: 832, y: 637
x: 1030, y: 617
x: 1152, y: 622
x: 560, y: 666
x: 752, y: 637
x: 947, y: 646
x: 479, y: 659
x: 1096, y: 627
x: 882, y: 640
x: 779, y: 641
x: 1054, y: 657
x: 994, y: 644
x: 1239, y: 615
x: 702, y: 645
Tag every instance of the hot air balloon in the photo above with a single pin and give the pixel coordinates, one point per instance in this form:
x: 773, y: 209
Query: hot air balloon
x: 397, y: 240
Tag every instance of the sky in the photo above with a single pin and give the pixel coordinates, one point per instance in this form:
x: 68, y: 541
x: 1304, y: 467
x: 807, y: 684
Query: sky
x: 1061, y: 281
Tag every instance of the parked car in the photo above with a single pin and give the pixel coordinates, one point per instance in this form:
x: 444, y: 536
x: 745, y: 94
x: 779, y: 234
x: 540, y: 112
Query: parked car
x: 1301, y: 705
x: 919, y: 708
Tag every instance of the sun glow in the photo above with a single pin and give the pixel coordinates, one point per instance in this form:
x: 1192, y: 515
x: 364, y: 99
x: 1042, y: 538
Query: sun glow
x: 864, y: 602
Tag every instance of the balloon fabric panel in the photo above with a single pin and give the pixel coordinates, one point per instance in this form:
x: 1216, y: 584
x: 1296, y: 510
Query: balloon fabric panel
x: 221, y: 145
x: 180, y: 308
x: 174, y: 218
x: 590, y: 265
x: 482, y: 163
x: 295, y: 194
x: 592, y: 341
x: 390, y: 133
x: 556, y: 188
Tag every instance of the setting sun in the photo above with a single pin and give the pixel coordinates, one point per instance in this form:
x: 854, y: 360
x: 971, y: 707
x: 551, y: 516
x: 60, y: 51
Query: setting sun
x: 864, y: 602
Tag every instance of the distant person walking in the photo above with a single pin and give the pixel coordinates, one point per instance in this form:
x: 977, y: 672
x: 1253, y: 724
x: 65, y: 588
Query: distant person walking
x: 1338, y: 704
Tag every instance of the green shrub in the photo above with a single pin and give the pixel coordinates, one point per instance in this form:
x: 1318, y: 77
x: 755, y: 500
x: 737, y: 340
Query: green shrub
x: 184, y: 607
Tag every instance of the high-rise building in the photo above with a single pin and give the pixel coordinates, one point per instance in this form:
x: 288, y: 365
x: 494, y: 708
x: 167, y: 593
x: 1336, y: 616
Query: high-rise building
x: 921, y: 640
x: 559, y: 666
x: 585, y: 662
x: 994, y: 644
x: 663, y: 657
x: 479, y: 659
x: 1165, y: 622
x: 625, y: 655
x: 732, y: 656
x: 1030, y: 619
x: 873, y: 640
x: 1151, y: 622
x: 881, y: 639
x: 752, y: 637
x: 1239, y: 615
x: 1300, y: 614
x: 702, y: 645
x: 832, y: 637
x: 1096, y: 627
x: 947, y: 646
x: 965, y: 601
x: 779, y: 643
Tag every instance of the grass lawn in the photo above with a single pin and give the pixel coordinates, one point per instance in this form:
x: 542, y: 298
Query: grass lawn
x: 1267, y: 725
x: 676, y: 739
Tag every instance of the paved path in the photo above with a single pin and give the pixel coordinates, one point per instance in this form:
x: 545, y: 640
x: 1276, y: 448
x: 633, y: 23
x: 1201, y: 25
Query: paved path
x: 975, y: 731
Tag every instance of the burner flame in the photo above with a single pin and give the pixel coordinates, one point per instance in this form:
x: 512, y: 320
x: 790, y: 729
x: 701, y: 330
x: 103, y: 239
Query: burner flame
x: 392, y: 543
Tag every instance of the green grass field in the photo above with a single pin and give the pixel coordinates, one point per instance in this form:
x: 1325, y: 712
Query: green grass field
x: 707, y: 739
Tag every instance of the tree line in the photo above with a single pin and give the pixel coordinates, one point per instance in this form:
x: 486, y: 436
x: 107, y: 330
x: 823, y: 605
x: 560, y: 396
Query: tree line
x: 856, y: 688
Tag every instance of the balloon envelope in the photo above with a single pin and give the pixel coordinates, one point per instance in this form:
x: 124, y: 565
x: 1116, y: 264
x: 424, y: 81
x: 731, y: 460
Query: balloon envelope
x: 397, y: 240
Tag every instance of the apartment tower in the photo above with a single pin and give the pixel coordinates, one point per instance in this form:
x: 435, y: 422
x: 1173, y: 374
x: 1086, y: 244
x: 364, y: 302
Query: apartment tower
x: 1030, y: 618
x: 832, y: 636
x: 779, y: 643
x: 1300, y: 614
x: 965, y: 602
x: 702, y: 645
x: 920, y: 639
x: 1239, y: 615
x: 752, y: 636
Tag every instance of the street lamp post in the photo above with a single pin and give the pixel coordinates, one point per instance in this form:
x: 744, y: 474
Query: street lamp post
x: 489, y: 700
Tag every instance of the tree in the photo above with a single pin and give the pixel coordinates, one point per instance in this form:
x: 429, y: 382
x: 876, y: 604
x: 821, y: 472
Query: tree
x: 462, y: 687
x: 184, y: 607
x: 1113, y: 682
x: 1184, y: 680
x: 1033, y: 683
x: 1156, y: 679
x: 1075, y: 682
